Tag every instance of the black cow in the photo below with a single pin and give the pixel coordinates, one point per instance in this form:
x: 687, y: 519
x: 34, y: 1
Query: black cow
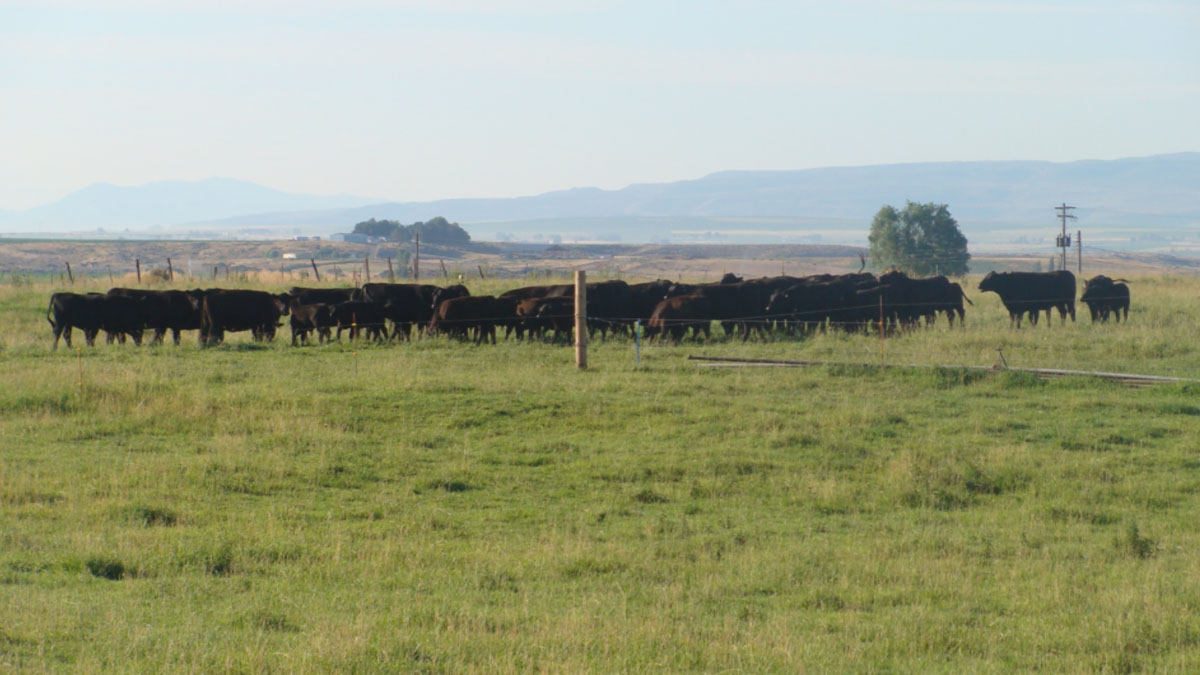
x: 1103, y: 296
x: 808, y: 306
x: 317, y: 316
x: 356, y: 316
x: 408, y: 305
x: 329, y: 296
x: 175, y: 311
x: 608, y: 307
x: 224, y: 310
x: 924, y: 298
x: 1033, y: 292
x: 116, y: 316
x: 526, y: 292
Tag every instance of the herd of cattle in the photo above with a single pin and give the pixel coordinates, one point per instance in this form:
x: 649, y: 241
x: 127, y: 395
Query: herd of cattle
x: 382, y: 311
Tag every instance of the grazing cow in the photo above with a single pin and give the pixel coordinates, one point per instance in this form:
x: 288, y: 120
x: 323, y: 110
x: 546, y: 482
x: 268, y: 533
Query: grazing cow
x: 116, y: 316
x: 225, y: 310
x: 540, y: 315
x: 607, y: 307
x: 175, y: 311
x: 317, y: 316
x: 526, y: 292
x: 356, y: 316
x: 807, y: 306
x: 408, y: 305
x: 68, y: 311
x: 673, y: 316
x: 1033, y: 292
x: 329, y: 296
x: 1103, y: 296
x: 478, y: 313
x: 924, y: 298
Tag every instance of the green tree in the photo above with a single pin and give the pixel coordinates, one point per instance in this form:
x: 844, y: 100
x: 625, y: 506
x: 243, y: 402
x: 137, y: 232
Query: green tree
x: 921, y: 239
x: 435, y: 231
x: 377, y: 228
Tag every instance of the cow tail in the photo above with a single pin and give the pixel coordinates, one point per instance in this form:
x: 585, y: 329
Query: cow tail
x: 50, y: 311
x: 964, y: 296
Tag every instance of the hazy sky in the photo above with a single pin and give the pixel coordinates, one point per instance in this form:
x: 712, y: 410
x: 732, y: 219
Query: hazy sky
x: 416, y: 100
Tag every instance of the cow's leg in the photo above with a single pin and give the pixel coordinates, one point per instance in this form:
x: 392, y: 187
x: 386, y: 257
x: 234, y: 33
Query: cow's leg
x: 58, y: 331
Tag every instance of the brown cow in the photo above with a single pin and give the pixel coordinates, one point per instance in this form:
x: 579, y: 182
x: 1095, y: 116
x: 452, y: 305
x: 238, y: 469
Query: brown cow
x: 540, y: 315
x: 480, y: 313
x: 675, y: 315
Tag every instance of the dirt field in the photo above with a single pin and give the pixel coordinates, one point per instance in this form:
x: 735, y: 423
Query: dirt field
x: 203, y: 260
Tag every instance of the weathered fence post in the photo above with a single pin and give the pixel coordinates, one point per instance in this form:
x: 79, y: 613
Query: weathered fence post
x: 215, y: 268
x: 580, y: 319
x: 417, y: 256
x: 444, y: 272
x: 315, y: 270
x: 391, y: 273
x: 481, y: 275
x: 170, y: 270
x: 110, y: 279
x: 70, y: 274
x: 138, y: 264
x: 367, y: 266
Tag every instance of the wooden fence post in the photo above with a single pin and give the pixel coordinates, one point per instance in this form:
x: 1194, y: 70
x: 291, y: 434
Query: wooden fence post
x: 170, y: 270
x: 315, y: 270
x: 391, y: 273
x: 70, y: 274
x: 481, y: 275
x: 581, y: 335
x: 138, y: 263
x: 110, y: 279
x: 367, y: 266
x: 444, y: 272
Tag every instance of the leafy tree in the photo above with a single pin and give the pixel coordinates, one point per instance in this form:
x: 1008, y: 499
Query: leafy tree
x: 435, y: 231
x: 377, y: 228
x: 921, y: 239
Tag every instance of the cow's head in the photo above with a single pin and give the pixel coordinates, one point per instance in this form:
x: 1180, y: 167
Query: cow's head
x: 449, y: 292
x: 989, y: 282
x: 195, y: 298
x: 282, y: 302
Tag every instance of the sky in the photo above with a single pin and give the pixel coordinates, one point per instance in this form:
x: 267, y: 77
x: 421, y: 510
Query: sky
x: 416, y: 100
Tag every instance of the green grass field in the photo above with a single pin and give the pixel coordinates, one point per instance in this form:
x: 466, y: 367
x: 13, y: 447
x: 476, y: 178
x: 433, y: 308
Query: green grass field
x: 441, y: 507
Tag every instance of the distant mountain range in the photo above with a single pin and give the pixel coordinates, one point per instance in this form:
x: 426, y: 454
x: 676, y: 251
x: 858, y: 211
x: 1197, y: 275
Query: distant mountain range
x: 1158, y: 193
x: 166, y: 203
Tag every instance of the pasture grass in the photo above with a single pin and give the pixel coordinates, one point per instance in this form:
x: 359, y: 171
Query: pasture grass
x: 441, y: 507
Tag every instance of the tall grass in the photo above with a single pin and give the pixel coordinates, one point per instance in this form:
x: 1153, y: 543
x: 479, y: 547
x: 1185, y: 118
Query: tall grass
x: 440, y: 507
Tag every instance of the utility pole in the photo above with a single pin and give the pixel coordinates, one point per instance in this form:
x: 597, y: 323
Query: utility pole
x: 1064, y: 239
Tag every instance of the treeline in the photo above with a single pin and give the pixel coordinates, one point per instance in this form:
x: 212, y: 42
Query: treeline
x: 435, y: 231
